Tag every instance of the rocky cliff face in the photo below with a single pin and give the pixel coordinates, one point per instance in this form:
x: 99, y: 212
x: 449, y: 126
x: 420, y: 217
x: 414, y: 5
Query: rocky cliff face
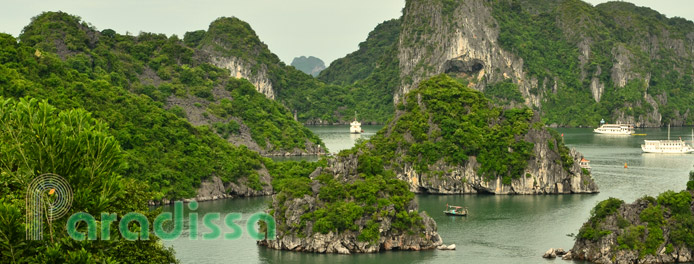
x: 543, y: 175
x: 298, y: 231
x: 214, y: 188
x: 483, y: 41
x: 231, y: 44
x: 463, y: 43
x: 240, y: 69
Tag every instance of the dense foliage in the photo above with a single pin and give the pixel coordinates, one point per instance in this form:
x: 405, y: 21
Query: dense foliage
x: 443, y: 120
x: 164, y: 68
x: 342, y: 203
x: 160, y: 148
x: 37, y: 138
x: 666, y: 222
x: 269, y: 122
x: 592, y: 230
x: 548, y: 34
x: 642, y: 59
x: 368, y: 89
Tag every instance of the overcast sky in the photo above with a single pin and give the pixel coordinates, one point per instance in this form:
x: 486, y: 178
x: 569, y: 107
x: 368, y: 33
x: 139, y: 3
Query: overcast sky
x: 327, y: 29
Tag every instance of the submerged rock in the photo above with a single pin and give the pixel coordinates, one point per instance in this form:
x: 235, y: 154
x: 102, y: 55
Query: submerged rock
x: 553, y: 253
x: 444, y: 247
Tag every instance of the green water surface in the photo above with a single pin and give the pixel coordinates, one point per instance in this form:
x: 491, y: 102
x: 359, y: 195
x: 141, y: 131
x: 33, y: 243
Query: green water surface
x: 499, y: 228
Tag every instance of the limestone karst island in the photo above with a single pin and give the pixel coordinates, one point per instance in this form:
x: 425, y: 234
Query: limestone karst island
x: 398, y: 131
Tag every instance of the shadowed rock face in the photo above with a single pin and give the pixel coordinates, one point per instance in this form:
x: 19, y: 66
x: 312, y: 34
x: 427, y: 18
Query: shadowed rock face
x: 460, y: 65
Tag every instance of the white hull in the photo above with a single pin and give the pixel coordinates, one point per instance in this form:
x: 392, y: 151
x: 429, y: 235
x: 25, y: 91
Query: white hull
x: 626, y: 133
x: 614, y: 129
x: 355, y: 127
x: 667, y: 151
x: 666, y: 147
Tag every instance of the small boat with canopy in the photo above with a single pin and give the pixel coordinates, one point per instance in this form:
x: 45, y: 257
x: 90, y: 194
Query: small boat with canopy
x: 455, y: 210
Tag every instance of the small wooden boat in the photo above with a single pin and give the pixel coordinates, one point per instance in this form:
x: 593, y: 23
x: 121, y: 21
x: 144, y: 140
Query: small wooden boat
x: 455, y: 210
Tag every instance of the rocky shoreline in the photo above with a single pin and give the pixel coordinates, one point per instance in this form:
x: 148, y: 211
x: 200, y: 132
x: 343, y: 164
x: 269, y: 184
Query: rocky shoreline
x: 214, y: 189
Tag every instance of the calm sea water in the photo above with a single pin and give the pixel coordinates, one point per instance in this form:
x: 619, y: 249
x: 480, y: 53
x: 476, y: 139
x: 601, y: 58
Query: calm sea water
x: 499, y: 229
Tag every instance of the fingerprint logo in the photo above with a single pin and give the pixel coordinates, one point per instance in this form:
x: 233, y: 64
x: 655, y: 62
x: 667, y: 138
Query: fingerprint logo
x: 50, y: 196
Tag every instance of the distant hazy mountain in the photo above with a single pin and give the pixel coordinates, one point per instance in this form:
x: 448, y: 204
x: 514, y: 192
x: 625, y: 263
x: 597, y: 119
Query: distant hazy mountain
x: 309, y: 65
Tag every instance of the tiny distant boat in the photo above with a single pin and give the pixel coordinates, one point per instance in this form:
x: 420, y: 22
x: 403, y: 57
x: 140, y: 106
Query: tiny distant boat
x: 615, y: 129
x: 585, y: 164
x: 455, y: 210
x: 355, y: 126
x: 667, y: 146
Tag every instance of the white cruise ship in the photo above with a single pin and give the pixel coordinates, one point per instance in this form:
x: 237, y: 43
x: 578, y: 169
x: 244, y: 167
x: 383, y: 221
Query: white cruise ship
x: 667, y: 146
x: 355, y: 126
x: 615, y: 129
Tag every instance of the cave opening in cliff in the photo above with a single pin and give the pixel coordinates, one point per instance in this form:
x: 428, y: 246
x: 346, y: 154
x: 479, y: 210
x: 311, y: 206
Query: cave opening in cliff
x: 423, y: 190
x: 461, y: 66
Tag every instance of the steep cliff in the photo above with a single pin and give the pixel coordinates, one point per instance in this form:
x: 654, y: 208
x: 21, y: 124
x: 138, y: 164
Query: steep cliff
x: 352, y: 205
x: 650, y: 230
x: 574, y: 62
x: 449, y: 139
x: 231, y: 44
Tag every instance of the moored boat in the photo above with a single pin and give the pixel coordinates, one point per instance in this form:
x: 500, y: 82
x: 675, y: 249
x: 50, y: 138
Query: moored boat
x: 455, y: 210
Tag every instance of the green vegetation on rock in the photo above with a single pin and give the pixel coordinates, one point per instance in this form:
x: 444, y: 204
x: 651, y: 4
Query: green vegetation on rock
x: 341, y: 203
x: 314, y: 101
x: 649, y: 226
x: 550, y: 35
x: 443, y: 120
x: 110, y: 77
